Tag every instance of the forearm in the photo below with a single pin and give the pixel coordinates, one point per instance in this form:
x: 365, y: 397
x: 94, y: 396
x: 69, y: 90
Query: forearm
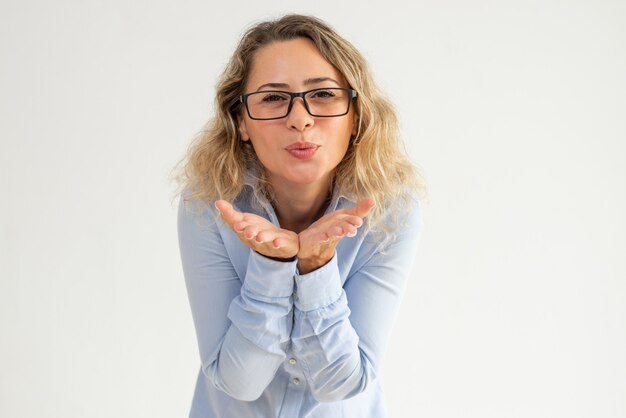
x: 324, y: 339
x: 328, y: 347
x: 342, y: 346
x: 242, y: 329
x: 253, y: 347
x: 261, y: 323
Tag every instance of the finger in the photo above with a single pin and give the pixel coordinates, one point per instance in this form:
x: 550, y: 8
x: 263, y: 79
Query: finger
x: 282, y: 242
x: 250, y: 231
x: 267, y: 235
x: 349, y: 230
x: 334, y: 231
x: 362, y: 208
x: 286, y: 239
x: 228, y: 213
x: 343, y: 229
x: 239, y: 226
x: 322, y: 237
x: 353, y: 220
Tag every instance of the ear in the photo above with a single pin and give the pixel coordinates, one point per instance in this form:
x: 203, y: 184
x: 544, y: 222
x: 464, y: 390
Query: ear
x: 243, y: 129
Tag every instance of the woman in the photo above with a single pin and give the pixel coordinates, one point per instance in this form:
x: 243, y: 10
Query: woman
x: 298, y: 224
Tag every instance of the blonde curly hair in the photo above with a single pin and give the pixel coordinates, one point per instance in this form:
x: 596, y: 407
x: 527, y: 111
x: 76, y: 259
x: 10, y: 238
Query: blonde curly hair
x: 375, y: 164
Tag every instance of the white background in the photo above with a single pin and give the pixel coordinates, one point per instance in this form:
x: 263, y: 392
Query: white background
x: 514, y: 110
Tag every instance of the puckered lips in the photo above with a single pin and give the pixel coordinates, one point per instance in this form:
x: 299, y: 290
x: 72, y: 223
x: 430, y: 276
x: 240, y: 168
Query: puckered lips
x: 302, y: 150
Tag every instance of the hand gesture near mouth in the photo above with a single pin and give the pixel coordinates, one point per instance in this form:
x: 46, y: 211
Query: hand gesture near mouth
x: 314, y: 246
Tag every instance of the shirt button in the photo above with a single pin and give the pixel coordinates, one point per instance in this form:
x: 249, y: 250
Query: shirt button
x: 292, y: 361
x: 296, y: 381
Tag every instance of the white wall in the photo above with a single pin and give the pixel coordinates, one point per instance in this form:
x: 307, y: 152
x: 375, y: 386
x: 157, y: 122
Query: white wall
x: 514, y: 110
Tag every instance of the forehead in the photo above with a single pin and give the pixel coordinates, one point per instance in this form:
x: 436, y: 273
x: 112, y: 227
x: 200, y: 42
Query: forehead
x: 289, y: 62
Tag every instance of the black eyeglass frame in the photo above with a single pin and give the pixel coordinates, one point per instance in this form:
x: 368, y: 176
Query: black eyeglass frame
x: 244, y: 99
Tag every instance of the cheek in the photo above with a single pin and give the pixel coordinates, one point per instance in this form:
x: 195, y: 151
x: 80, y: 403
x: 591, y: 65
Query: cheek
x: 264, y: 152
x: 348, y: 132
x: 338, y: 150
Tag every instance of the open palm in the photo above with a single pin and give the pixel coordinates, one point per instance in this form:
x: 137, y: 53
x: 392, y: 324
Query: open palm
x: 314, y: 246
x: 258, y: 233
x: 319, y: 241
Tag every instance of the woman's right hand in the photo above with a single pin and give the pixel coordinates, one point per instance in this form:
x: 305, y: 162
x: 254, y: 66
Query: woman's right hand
x: 258, y: 233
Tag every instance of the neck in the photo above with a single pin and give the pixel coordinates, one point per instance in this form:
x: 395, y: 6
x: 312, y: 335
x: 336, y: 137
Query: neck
x: 298, y: 206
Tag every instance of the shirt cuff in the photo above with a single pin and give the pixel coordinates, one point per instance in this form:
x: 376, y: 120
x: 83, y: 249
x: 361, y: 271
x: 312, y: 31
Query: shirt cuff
x: 269, y: 278
x: 318, y: 288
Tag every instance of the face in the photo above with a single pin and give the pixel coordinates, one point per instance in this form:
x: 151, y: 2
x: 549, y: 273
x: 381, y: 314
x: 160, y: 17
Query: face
x: 300, y: 149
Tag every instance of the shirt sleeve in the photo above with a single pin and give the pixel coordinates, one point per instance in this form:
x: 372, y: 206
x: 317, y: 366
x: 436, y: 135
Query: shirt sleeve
x: 242, y: 330
x: 340, y: 333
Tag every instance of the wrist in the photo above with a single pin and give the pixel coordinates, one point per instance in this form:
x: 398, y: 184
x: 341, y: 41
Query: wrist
x: 307, y: 265
x: 283, y: 259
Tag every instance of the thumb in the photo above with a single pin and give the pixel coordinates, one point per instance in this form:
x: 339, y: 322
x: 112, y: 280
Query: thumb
x: 229, y: 214
x: 362, y: 208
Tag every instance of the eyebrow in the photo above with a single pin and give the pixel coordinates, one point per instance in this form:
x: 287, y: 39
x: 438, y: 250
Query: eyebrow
x: 307, y: 82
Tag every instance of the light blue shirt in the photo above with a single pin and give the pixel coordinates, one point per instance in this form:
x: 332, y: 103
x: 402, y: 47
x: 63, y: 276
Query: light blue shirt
x: 274, y: 343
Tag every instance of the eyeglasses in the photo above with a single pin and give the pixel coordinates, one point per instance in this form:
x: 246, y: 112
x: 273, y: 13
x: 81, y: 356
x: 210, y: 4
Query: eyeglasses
x: 276, y: 104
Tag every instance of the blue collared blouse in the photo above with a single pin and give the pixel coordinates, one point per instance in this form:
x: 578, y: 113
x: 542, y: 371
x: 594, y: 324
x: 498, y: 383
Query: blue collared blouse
x: 274, y: 343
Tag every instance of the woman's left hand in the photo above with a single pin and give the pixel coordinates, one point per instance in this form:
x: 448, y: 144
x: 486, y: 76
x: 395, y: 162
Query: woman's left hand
x: 318, y: 242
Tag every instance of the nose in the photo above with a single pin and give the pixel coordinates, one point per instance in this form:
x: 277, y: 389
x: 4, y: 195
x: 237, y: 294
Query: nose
x: 299, y: 118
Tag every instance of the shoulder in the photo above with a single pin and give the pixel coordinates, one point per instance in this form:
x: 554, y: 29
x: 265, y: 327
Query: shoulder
x: 193, y: 206
x: 400, y: 224
x: 196, y: 217
x: 402, y: 213
x: 414, y: 212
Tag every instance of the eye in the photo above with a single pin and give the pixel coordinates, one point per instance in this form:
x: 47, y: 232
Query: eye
x: 274, y: 97
x: 323, y: 94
